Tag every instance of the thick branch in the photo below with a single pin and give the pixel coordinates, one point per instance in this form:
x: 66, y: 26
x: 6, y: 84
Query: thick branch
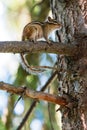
x: 22, y: 46
x: 33, y: 94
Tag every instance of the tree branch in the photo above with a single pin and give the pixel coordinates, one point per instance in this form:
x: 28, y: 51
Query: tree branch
x: 32, y: 94
x: 38, y: 47
x: 49, y: 81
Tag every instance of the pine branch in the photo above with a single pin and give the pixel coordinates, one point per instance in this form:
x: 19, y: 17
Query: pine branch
x: 32, y: 94
x: 38, y: 47
x: 49, y: 81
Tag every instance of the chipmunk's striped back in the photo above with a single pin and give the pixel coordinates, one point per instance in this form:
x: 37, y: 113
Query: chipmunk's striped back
x: 34, y: 31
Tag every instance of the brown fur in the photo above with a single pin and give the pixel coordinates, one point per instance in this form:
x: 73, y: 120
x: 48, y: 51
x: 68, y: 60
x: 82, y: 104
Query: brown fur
x: 37, y: 30
x: 34, y: 31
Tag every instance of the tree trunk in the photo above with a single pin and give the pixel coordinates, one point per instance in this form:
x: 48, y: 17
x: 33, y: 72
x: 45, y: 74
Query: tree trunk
x: 72, y: 75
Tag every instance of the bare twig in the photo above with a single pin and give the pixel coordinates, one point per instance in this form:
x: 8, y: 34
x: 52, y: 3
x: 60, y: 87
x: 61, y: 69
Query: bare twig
x: 50, y: 80
x: 27, y: 115
x: 32, y: 94
x: 49, y: 113
x: 50, y: 117
x: 45, y: 96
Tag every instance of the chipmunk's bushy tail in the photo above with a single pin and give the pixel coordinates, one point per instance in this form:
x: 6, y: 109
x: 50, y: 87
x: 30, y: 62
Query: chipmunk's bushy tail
x: 27, y: 67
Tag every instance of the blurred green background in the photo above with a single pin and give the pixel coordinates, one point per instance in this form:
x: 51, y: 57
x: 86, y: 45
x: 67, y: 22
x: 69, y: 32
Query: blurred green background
x: 14, y: 15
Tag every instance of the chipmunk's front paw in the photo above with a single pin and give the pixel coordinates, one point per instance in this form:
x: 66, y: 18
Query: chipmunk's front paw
x: 49, y: 42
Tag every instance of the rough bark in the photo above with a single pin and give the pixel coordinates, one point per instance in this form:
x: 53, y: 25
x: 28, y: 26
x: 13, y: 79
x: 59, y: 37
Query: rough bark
x: 33, y: 94
x: 38, y: 47
x: 73, y: 16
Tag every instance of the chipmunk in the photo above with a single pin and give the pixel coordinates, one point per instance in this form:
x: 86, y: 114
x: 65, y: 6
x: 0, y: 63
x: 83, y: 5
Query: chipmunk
x: 34, y: 31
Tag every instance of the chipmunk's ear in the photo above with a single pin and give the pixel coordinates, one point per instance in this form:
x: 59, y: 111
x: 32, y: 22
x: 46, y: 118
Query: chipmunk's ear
x: 49, y: 18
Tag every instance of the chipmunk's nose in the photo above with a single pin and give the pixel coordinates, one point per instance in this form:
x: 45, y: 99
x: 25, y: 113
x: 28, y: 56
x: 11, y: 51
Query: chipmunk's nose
x: 60, y: 25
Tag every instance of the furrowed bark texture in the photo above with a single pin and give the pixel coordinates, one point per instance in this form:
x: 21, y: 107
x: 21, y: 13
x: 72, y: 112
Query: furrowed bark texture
x: 38, y: 47
x: 73, y: 71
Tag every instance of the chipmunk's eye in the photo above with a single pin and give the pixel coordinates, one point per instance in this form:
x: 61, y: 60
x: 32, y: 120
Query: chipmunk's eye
x: 55, y: 22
